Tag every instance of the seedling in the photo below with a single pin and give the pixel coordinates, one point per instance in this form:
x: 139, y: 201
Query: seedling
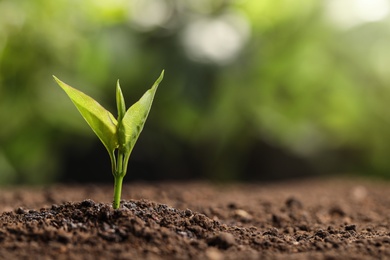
x: 118, y: 135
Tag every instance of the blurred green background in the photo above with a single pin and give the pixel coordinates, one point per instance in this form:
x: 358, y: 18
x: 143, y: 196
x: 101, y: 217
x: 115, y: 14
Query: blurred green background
x: 253, y: 90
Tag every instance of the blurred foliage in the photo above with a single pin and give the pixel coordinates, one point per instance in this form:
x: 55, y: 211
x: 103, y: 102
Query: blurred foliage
x: 253, y: 89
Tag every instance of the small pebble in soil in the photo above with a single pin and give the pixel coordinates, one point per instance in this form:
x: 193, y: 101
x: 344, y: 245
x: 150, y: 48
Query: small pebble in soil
x: 242, y: 215
x: 214, y: 254
x: 272, y: 232
x: 87, y: 203
x: 321, y: 233
x: 293, y: 203
x: 336, y: 211
x: 350, y: 228
x: 20, y: 210
x: 188, y: 212
x: 223, y: 240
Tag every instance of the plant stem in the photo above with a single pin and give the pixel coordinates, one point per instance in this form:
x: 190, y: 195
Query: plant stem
x: 118, y: 180
x: 117, y: 191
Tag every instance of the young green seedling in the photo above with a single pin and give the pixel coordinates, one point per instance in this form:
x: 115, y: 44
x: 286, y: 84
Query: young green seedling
x: 118, y: 135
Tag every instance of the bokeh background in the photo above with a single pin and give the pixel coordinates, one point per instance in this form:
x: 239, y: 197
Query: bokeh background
x: 253, y: 90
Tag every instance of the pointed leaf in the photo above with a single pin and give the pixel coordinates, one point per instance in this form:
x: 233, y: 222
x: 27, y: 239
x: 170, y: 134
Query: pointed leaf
x: 133, y: 122
x: 120, y: 102
x: 99, y: 119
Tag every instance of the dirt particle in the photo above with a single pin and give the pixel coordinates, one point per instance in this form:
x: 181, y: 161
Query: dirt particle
x: 336, y: 211
x: 321, y: 233
x: 64, y: 237
x: 214, y: 254
x: 232, y: 205
x: 223, y: 240
x: 278, y: 220
x: 293, y: 203
x: 20, y: 210
x: 242, y: 215
x: 350, y: 228
x: 303, y: 227
x: 331, y: 230
x: 359, y: 193
x: 87, y: 203
x: 272, y: 232
x: 188, y: 213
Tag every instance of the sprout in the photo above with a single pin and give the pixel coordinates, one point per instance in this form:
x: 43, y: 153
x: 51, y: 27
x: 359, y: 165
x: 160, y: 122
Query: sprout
x: 118, y: 135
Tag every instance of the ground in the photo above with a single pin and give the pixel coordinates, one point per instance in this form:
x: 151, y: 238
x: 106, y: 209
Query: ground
x: 307, y: 219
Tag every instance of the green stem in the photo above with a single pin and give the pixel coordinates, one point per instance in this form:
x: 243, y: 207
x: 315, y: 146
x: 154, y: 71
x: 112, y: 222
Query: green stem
x: 118, y: 180
x: 117, y: 191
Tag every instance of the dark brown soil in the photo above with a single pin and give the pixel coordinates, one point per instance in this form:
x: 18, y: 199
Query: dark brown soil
x: 317, y: 219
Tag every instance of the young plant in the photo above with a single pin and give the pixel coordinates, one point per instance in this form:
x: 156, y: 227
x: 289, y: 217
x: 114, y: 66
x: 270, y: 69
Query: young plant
x: 118, y: 135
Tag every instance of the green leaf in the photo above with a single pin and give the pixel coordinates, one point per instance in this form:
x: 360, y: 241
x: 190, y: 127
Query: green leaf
x: 120, y: 102
x: 99, y: 119
x: 134, y: 119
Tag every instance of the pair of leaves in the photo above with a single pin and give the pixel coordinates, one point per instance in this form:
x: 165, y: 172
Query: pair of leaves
x: 121, y: 133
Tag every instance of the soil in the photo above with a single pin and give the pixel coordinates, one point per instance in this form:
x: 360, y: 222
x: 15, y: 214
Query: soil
x: 310, y: 219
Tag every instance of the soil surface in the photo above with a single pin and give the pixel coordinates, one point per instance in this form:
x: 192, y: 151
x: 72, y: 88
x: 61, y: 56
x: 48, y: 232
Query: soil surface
x: 311, y: 219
